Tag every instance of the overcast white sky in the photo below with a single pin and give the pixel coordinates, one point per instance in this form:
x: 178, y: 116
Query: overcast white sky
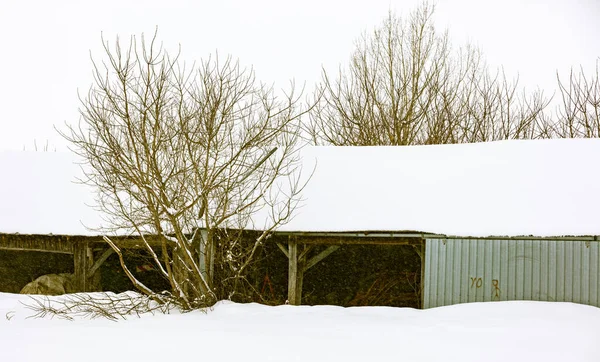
x: 45, y: 45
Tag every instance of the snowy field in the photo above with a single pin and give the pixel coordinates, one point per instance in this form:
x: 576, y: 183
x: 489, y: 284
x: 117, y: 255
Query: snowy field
x: 496, y: 331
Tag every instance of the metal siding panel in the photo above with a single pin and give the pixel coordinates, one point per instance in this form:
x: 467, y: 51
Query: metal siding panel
x: 512, y: 271
x: 597, y: 273
x: 594, y: 277
x: 427, y: 278
x: 534, y: 292
x: 457, y: 273
x: 488, y: 265
x: 455, y: 286
x: 468, y: 270
x: 568, y: 272
x: 560, y: 271
x: 552, y: 293
x: 439, y: 278
x: 433, y: 271
x: 542, y: 270
x: 528, y: 261
x: 464, y: 281
x: 442, y: 273
x: 496, y: 290
x: 477, y: 273
x: 434, y: 277
x: 505, y: 267
x: 585, y: 273
x: 493, y: 266
x: 448, y: 275
x: 473, y: 256
x: 576, y: 269
x: 544, y: 277
x: 520, y: 269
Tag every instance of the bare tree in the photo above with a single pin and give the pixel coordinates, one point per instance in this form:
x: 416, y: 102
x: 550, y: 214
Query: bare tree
x: 406, y: 85
x: 578, y: 113
x: 188, y: 155
x: 496, y: 110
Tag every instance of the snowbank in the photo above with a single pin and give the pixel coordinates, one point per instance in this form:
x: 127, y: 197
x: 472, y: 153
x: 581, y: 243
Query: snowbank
x: 499, y: 331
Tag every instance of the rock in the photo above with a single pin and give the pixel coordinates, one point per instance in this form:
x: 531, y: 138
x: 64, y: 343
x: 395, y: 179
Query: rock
x: 50, y: 284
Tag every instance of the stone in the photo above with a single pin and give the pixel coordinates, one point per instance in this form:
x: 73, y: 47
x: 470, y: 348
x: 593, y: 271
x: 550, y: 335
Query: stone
x: 50, y: 284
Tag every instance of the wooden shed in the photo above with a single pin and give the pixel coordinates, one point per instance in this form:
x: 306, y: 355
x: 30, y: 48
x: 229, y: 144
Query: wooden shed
x: 504, y: 220
x: 44, y: 209
x: 491, y: 221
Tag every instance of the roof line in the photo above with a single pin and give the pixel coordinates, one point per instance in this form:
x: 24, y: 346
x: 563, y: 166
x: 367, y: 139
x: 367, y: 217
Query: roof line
x: 424, y: 235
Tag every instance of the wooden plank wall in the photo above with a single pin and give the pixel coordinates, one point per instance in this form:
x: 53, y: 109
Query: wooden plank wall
x: 45, y: 243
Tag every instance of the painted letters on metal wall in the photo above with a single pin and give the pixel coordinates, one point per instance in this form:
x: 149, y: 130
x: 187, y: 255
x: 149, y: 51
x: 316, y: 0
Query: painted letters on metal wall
x: 481, y: 270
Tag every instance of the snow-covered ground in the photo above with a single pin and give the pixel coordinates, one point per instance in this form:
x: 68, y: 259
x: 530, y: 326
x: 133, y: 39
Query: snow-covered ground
x: 495, y: 331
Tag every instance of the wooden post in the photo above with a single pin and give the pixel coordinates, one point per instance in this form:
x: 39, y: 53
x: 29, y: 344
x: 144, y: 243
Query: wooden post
x: 81, y: 265
x: 420, y: 250
x: 299, y: 280
x: 206, y: 254
x: 293, y: 298
x: 298, y: 265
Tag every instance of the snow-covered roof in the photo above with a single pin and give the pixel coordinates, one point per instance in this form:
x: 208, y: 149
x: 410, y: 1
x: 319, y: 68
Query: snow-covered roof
x: 509, y: 188
x: 39, y: 194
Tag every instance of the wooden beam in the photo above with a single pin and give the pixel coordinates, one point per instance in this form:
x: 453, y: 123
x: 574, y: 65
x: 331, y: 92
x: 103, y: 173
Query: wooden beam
x: 322, y: 255
x: 293, y: 298
x: 307, y: 249
x: 283, y: 249
x: 331, y: 240
x: 44, y: 243
x: 41, y: 250
x: 100, y: 261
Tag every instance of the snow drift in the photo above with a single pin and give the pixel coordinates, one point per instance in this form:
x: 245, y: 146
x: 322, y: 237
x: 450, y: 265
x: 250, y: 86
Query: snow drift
x: 495, y: 332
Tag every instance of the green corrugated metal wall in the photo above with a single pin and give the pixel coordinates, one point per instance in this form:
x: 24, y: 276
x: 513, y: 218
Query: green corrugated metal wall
x: 481, y: 270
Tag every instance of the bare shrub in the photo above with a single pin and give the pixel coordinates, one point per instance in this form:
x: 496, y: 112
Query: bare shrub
x: 97, y: 306
x: 183, y: 155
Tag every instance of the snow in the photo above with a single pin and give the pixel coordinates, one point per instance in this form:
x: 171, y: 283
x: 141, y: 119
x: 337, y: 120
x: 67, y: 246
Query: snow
x: 40, y: 194
x: 496, y: 331
x: 508, y: 188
